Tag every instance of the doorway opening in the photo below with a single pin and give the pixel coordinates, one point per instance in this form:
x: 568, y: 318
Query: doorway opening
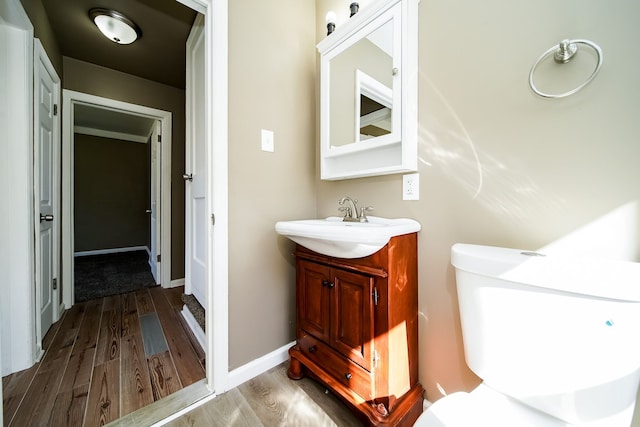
x: 215, y: 95
x: 77, y: 107
x: 116, y: 202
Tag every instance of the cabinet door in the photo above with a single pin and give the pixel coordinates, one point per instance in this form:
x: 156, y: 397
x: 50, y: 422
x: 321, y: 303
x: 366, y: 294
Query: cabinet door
x: 313, y: 299
x: 352, y: 317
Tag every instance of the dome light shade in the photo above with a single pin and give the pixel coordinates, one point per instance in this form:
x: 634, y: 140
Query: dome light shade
x: 115, y: 26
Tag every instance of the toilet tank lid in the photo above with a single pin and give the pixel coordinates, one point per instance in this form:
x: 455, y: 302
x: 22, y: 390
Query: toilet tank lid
x: 587, y: 276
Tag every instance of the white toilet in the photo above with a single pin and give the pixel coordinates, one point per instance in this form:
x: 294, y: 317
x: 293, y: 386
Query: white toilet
x: 555, y: 340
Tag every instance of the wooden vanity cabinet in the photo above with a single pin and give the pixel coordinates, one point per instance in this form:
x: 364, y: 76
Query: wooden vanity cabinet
x: 357, y: 329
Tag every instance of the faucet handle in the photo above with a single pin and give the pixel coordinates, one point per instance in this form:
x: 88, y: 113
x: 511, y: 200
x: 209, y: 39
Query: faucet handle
x: 363, y: 216
x: 346, y: 210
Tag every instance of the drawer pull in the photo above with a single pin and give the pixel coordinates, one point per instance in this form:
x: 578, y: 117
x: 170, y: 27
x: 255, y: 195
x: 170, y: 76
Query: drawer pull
x: 312, y: 349
x: 347, y: 376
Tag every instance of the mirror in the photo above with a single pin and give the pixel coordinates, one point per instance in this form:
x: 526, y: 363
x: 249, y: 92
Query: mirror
x: 368, y: 93
x: 363, y: 63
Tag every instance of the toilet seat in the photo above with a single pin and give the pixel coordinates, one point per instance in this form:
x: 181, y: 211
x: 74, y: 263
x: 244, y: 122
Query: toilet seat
x: 484, y: 407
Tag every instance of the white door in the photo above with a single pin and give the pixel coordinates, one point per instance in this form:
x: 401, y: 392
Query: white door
x: 46, y: 159
x: 196, y: 171
x: 154, y: 203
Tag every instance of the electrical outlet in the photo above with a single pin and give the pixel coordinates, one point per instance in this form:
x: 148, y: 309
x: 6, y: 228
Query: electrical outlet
x: 411, y: 187
x: 267, y: 140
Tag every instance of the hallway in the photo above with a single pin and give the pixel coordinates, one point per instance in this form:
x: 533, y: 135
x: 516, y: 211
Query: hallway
x: 106, y: 358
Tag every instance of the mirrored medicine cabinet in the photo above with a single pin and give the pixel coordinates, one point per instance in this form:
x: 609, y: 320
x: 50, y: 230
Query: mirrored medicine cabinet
x: 369, y: 93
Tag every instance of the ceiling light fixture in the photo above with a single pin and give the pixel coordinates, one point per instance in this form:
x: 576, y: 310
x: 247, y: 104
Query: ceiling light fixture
x: 115, y: 26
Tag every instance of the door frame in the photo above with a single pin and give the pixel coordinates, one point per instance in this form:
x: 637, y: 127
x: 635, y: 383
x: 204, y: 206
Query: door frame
x: 40, y: 57
x: 216, y: 134
x: 70, y: 100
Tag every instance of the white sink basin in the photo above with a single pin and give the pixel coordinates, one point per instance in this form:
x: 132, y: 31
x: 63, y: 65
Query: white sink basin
x: 342, y: 239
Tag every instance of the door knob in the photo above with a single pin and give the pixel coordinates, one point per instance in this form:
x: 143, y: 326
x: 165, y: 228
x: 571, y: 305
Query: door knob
x: 187, y: 176
x: 148, y: 211
x: 47, y: 217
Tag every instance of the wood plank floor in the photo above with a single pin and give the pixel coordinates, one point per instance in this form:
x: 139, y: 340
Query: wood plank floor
x: 272, y: 399
x: 95, y: 369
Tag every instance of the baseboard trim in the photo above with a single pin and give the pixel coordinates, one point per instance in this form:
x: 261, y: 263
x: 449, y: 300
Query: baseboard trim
x: 175, y: 283
x: 194, y: 326
x: 110, y: 251
x: 258, y: 366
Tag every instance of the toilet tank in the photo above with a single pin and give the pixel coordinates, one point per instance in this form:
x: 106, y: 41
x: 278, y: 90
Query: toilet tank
x: 559, y: 334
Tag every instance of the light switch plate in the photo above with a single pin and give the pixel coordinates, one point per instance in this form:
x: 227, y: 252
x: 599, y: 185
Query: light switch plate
x: 267, y: 140
x: 411, y: 187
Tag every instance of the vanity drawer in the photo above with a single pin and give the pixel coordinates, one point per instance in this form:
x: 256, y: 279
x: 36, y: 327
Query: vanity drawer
x: 341, y: 368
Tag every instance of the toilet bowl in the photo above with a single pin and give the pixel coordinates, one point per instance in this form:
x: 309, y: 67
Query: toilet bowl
x: 554, y: 341
x: 483, y: 407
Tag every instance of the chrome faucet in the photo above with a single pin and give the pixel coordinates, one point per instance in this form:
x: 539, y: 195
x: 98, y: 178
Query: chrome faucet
x: 351, y: 213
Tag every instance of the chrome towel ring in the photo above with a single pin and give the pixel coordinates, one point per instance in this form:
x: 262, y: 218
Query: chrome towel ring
x: 563, y: 53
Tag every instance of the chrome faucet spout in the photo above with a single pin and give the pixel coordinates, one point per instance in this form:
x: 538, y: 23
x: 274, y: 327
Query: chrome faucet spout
x: 352, y: 213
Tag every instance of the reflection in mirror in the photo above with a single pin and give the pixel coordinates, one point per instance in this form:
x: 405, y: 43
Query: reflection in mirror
x: 375, y: 122
x: 375, y: 119
x: 373, y: 112
x: 371, y: 55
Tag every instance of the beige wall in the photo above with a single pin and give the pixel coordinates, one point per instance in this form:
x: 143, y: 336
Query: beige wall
x: 271, y: 86
x: 95, y: 80
x: 500, y: 166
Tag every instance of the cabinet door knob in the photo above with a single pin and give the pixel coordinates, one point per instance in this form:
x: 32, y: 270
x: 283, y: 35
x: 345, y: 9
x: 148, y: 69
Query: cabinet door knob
x: 347, y: 376
x: 327, y: 283
x: 312, y: 349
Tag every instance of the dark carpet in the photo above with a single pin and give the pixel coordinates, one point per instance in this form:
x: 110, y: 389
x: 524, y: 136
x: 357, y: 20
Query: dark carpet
x: 98, y: 276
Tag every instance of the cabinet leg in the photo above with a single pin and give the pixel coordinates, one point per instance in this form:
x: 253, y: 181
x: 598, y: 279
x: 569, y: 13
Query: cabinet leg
x: 295, y: 367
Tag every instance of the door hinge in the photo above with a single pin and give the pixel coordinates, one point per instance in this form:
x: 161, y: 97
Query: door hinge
x: 376, y: 358
x: 55, y: 284
x: 213, y: 219
x: 375, y: 295
x: 55, y: 109
x: 158, y: 258
x: 159, y: 138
